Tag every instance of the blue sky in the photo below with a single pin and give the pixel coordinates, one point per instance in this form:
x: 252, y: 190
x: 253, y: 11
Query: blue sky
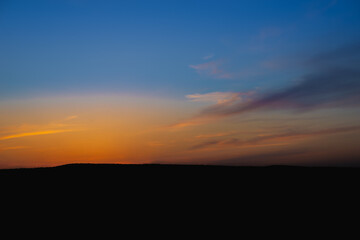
x: 245, y: 82
x: 57, y: 47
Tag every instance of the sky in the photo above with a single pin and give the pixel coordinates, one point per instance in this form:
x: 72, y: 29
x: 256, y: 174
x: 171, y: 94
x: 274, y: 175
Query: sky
x: 245, y: 82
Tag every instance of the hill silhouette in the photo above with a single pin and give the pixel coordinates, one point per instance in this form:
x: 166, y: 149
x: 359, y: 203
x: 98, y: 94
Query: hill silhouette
x: 193, y: 184
x: 207, y: 174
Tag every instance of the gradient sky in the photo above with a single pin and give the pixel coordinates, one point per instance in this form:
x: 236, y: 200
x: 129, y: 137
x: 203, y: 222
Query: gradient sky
x: 246, y: 82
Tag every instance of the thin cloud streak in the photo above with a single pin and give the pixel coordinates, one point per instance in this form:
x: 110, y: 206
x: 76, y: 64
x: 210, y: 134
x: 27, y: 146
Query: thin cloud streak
x: 335, y: 82
x: 287, y: 136
x: 222, y: 99
x: 28, y: 134
x: 191, y: 122
x: 218, y: 97
x: 212, y: 69
x: 71, y: 117
x: 340, y: 87
x: 207, y: 57
x: 26, y: 130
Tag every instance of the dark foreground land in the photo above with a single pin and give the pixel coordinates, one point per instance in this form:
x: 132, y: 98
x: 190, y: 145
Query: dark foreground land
x: 126, y: 174
x: 180, y: 184
x: 170, y: 169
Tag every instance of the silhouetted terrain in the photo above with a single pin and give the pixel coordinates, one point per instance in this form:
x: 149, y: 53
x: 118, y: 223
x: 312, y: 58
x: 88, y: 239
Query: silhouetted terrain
x: 189, y: 184
x: 128, y: 169
x: 207, y: 174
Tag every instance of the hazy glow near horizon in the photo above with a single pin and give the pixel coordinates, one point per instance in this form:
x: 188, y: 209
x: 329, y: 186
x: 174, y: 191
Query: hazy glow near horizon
x: 227, y: 82
x: 132, y: 129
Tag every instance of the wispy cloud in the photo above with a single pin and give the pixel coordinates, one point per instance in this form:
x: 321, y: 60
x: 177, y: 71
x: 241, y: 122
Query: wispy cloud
x: 273, y: 139
x: 212, y: 69
x: 338, y: 87
x: 26, y: 130
x: 191, y: 122
x: 28, y: 134
x: 217, y: 97
x: 207, y: 57
x: 335, y: 82
x: 221, y: 99
x: 71, y: 117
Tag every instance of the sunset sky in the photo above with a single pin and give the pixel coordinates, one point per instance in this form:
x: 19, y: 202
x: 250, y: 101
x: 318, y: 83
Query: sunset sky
x: 224, y: 82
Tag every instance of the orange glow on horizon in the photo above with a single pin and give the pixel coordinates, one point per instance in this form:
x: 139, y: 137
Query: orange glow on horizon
x: 134, y: 130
